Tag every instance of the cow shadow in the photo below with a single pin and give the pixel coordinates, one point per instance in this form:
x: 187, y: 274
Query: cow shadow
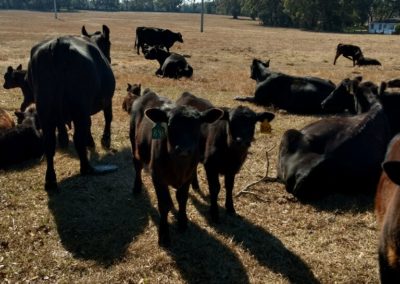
x: 266, y: 248
x: 97, y: 217
x: 200, y: 258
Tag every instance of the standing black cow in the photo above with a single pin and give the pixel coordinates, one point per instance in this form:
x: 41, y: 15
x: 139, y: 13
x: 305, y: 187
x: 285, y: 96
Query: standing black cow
x: 165, y: 137
x: 224, y: 147
x: 339, y: 153
x: 172, y: 65
x: 155, y: 36
x: 294, y: 94
x: 71, y: 79
x: 352, y: 52
x: 102, y: 39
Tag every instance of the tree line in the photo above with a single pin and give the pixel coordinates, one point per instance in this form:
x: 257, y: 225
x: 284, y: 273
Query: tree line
x: 324, y: 15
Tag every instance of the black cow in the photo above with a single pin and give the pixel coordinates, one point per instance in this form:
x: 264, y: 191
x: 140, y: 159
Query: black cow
x: 294, y: 94
x: 352, y: 52
x: 156, y: 36
x: 364, y: 61
x: 172, y: 65
x: 338, y: 153
x: 18, y: 78
x: 102, y: 39
x: 71, y: 79
x: 165, y: 137
x: 224, y: 147
x: 22, y: 142
x: 259, y: 70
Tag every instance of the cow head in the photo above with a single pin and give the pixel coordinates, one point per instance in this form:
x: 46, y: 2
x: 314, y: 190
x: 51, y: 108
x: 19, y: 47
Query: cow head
x: 340, y: 98
x: 28, y: 117
x: 102, y: 39
x: 179, y: 37
x: 155, y: 53
x: 242, y: 121
x: 14, y: 78
x: 133, y: 94
x: 183, y: 127
x: 259, y: 70
x: 134, y: 89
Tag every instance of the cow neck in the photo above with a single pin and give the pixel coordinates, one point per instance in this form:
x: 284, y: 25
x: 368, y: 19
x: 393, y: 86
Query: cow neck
x: 27, y: 93
x: 366, y: 100
x: 162, y: 57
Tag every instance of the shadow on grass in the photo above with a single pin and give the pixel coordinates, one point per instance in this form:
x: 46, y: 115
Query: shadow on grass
x: 266, y: 248
x: 201, y: 258
x: 97, y: 217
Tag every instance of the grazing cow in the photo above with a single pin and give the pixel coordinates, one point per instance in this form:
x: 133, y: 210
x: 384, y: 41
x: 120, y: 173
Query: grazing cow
x: 71, y: 80
x: 156, y: 36
x: 165, y: 137
x: 6, y: 121
x: 294, y: 94
x: 18, y: 78
x: 338, y: 153
x: 22, y: 142
x: 224, y: 147
x: 387, y: 210
x: 172, y: 65
x: 102, y: 39
x: 364, y: 61
x: 352, y: 52
x: 131, y: 96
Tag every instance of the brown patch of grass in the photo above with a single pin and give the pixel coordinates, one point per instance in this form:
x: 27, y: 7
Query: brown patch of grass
x: 96, y: 231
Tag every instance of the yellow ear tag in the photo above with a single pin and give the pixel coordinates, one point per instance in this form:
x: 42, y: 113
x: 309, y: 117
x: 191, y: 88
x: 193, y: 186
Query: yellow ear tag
x: 265, y: 127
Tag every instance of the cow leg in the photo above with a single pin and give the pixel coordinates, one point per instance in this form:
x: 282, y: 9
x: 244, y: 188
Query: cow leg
x: 90, y: 140
x: 195, y: 182
x: 62, y: 135
x: 214, y: 188
x: 229, y: 183
x: 137, y: 186
x: 336, y: 57
x: 49, y: 135
x: 81, y: 136
x: 106, y: 139
x: 182, y: 197
x: 164, y: 206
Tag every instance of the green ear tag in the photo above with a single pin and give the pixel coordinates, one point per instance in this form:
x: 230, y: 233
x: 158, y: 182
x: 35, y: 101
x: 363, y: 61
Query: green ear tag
x: 158, y: 131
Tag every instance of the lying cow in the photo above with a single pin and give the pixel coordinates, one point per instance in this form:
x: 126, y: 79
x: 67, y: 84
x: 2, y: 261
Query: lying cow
x: 18, y: 78
x: 301, y: 95
x: 387, y: 210
x: 352, y: 52
x: 364, y: 61
x: 172, y: 65
x: 22, y: 142
x: 6, y: 121
x: 224, y: 147
x: 71, y: 79
x: 156, y: 36
x: 338, y: 153
x: 165, y: 138
x: 131, y: 96
x: 259, y: 70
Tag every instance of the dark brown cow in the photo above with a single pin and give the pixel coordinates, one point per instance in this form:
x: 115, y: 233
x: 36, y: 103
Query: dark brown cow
x: 387, y: 210
x: 6, y: 121
x: 224, y: 147
x: 22, y: 142
x: 165, y: 137
x: 352, y: 52
x: 338, y: 153
x: 131, y: 96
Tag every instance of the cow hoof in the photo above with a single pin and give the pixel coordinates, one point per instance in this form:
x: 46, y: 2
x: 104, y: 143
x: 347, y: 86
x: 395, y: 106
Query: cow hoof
x: 51, y: 186
x: 63, y: 141
x: 106, y: 143
x: 215, y: 217
x: 230, y: 210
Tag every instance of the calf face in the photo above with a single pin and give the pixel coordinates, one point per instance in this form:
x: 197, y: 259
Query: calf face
x: 102, y: 39
x: 132, y: 95
x: 14, y: 78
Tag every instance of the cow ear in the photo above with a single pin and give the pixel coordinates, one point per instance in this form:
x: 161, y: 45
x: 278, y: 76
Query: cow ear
x: 358, y: 78
x: 9, y: 69
x: 19, y: 68
x: 211, y: 115
x: 267, y: 63
x: 106, y: 31
x: 392, y: 169
x: 382, y: 88
x: 129, y: 87
x: 261, y: 116
x: 20, y: 116
x: 83, y: 31
x: 156, y: 115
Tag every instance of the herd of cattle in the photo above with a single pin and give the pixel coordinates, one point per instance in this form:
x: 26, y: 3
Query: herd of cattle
x: 69, y: 78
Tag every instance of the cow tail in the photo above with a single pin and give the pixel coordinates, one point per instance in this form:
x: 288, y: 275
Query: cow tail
x: 60, y: 55
x: 136, y: 39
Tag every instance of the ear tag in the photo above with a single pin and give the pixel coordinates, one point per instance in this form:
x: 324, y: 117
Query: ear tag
x: 265, y: 127
x: 158, y: 132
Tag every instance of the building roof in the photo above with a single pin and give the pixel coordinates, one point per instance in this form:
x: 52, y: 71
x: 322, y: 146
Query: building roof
x: 387, y: 21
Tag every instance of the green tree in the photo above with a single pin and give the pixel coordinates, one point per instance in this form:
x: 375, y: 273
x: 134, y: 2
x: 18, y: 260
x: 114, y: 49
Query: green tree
x: 168, y: 5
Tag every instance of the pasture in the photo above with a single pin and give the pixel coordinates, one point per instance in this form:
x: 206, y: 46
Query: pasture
x: 96, y: 231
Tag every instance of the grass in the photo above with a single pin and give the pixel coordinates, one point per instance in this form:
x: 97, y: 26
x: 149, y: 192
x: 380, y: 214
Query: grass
x: 96, y: 231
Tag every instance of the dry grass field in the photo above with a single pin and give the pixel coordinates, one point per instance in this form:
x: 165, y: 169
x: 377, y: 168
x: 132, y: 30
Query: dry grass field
x: 96, y: 231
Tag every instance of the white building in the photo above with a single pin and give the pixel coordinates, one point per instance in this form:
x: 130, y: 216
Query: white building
x: 387, y: 26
